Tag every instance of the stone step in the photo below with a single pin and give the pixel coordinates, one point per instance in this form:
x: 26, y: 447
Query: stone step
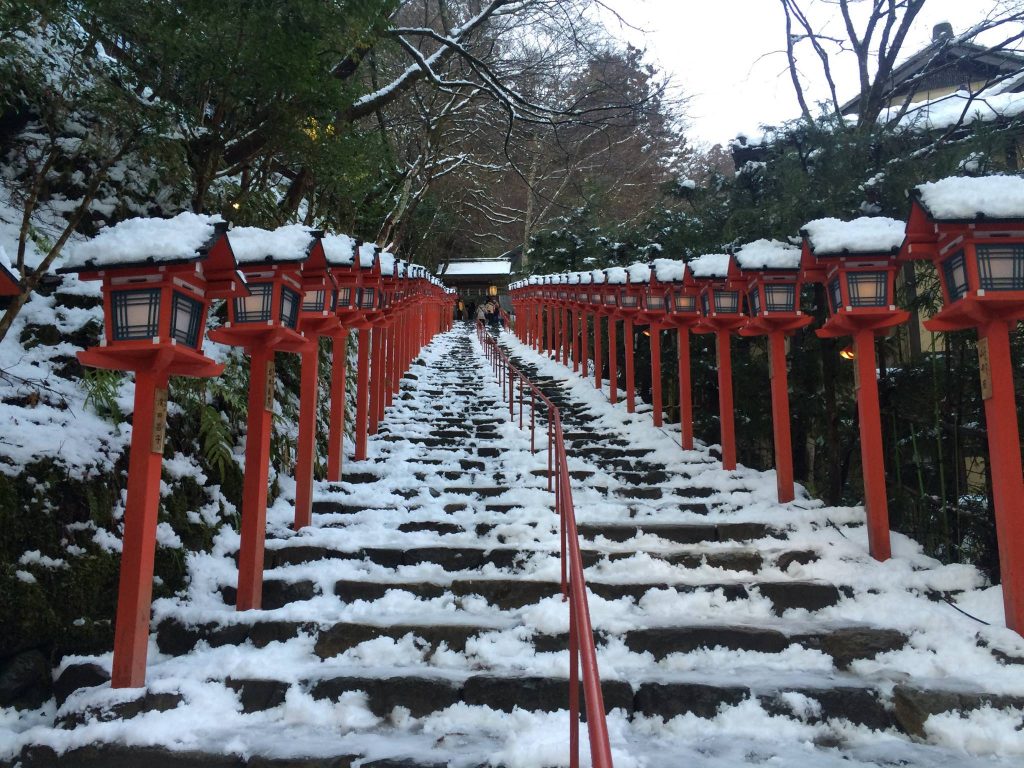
x: 682, y: 534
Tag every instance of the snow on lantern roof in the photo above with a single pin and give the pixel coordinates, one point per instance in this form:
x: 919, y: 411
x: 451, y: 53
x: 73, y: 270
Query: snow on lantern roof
x: 597, y: 275
x: 669, y: 270
x: 533, y: 280
x: 615, y: 276
x: 960, y: 198
x: 710, y: 265
x: 7, y: 266
x: 253, y: 245
x: 639, y: 273
x: 868, y: 234
x: 340, y: 250
x: 768, y: 254
x: 139, y: 241
x: 585, y: 278
x: 387, y: 263
x: 367, y: 252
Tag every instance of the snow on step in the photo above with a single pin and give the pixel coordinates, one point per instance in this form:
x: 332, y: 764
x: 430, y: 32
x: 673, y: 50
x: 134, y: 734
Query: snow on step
x: 420, y: 619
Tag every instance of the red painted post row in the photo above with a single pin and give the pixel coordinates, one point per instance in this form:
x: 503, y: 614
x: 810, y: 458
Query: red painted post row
x: 279, y: 300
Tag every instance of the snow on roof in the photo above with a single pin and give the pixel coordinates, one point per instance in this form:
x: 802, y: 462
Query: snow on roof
x: 615, y: 275
x: 366, y: 253
x: 710, y: 265
x: 145, y: 240
x: 585, y: 278
x: 961, y: 107
x: 483, y: 267
x: 768, y: 254
x: 961, y: 197
x: 5, y: 263
x: 387, y: 263
x: 597, y: 275
x: 868, y: 234
x: 253, y: 245
x: 669, y: 270
x: 339, y: 250
x: 639, y: 273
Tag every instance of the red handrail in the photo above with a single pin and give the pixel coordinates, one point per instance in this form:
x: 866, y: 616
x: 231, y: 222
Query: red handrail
x: 582, y: 651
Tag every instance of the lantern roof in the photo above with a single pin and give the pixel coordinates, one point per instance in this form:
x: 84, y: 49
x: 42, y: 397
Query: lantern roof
x: 597, y: 276
x: 388, y: 263
x: 187, y: 237
x: 768, y: 254
x: 291, y: 243
x: 963, y: 198
x: 339, y: 249
x: 669, y: 270
x: 584, y: 278
x: 639, y: 273
x: 864, y: 235
x: 8, y: 275
x: 368, y: 255
x: 615, y: 276
x: 710, y: 265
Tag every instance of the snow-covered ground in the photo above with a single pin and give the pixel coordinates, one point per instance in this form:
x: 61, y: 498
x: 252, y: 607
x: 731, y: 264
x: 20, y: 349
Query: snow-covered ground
x: 388, y: 534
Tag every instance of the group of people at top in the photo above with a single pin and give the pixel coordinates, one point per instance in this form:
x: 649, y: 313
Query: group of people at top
x: 489, y: 312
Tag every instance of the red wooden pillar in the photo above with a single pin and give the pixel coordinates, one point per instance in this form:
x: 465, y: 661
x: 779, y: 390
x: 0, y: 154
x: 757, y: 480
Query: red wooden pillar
x: 780, y: 416
x: 872, y: 456
x: 135, y: 587
x: 336, y: 438
x: 629, y: 343
x: 306, y: 448
x: 362, y: 394
x: 726, y: 416
x: 393, y: 361
x: 598, y: 356
x: 1004, y: 456
x: 685, y: 391
x: 255, y: 481
x: 613, y: 363
x: 376, y: 379
x: 656, y: 374
x: 566, y: 335
x: 584, y: 351
x: 576, y: 325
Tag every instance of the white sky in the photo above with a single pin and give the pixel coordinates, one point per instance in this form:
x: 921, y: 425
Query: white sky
x: 729, y: 56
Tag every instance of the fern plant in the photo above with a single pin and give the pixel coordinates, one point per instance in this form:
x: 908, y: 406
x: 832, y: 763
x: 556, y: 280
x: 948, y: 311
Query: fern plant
x: 102, y: 388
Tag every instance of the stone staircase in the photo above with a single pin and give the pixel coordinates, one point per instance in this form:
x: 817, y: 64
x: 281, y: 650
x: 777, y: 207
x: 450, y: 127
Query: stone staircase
x: 419, y: 621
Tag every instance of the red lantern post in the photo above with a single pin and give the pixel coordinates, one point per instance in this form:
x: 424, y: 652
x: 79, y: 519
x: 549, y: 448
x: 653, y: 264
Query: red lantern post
x: 262, y: 324
x: 582, y: 304
x: 159, y: 277
x: 614, y: 279
x: 637, y: 278
x: 719, y: 282
x: 654, y: 303
x: 683, y: 314
x: 597, y: 307
x: 368, y: 301
x: 856, y: 261
x: 773, y: 283
x: 972, y: 230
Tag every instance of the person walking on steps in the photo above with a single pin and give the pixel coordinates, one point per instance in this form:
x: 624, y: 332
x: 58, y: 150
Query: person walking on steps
x: 481, y: 314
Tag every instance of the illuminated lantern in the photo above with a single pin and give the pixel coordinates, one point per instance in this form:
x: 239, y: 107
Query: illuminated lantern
x: 263, y: 323
x: 683, y: 298
x: 721, y: 308
x: 158, y: 278
x: 856, y: 261
x: 771, y: 270
x: 972, y: 231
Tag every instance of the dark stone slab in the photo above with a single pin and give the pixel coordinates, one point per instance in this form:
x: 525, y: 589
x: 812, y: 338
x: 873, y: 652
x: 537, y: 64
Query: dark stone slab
x: 695, y: 492
x: 372, y: 590
x: 847, y: 645
x: 121, y: 756
x: 123, y: 710
x: 296, y: 555
x: 470, y: 465
x: 277, y: 593
x: 663, y: 641
x: 76, y: 676
x: 449, y: 558
x: 483, y: 491
x: 913, y: 706
x: 801, y: 557
x: 743, y: 531
x: 809, y: 595
x: 336, y: 508
x: 419, y: 695
x: 640, y: 492
x: 343, y: 636
x: 258, y: 695
x: 507, y: 595
x: 536, y: 694
x: 669, y: 700
x: 860, y: 706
